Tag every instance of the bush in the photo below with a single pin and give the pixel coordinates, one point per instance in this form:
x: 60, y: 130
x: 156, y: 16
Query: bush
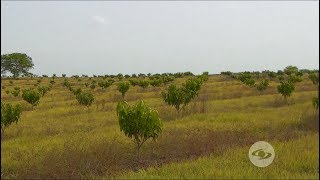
x: 31, y: 96
x: 177, y: 96
x: 15, y: 92
x: 174, y: 96
x: 9, y: 115
x: 285, y: 89
x: 314, y: 78
x: 92, y: 86
x: 143, y: 83
x: 104, y: 84
x: 85, y: 98
x: 139, y: 122
x: 155, y: 83
x: 263, y: 85
x: 43, y: 90
x: 123, y: 87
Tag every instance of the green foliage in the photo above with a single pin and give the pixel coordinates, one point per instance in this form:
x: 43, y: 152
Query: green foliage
x: 228, y: 73
x: 43, y: 90
x: 155, y: 83
x: 143, y: 83
x: 31, y: 96
x: 177, y: 96
x: 92, y: 86
x: 263, y: 85
x: 291, y: 70
x: 123, y: 87
x: 272, y: 74
x: 315, y: 102
x: 9, y: 115
x: 64, y: 75
x: 16, y: 64
x: 76, y: 91
x: 314, y: 78
x: 15, y: 92
x: 139, y: 122
x: 294, y: 78
x: 52, y: 82
x: 105, y: 84
x: 85, y: 98
x: 7, y: 91
x: 246, y: 79
x: 174, y: 96
x: 285, y: 88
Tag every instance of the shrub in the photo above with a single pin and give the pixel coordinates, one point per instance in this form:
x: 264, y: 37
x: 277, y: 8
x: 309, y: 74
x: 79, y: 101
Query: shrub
x: 174, y: 96
x: 15, y: 92
x: 291, y: 70
x: 76, y: 91
x: 92, y: 86
x: 314, y: 78
x: 155, y: 83
x: 263, y: 85
x: 64, y: 75
x: 85, y: 98
x: 43, y: 90
x: 104, y: 84
x: 31, y: 96
x: 294, y: 78
x: 139, y: 122
x: 143, y: 83
x: 9, y: 115
x: 285, y: 89
x: 123, y: 87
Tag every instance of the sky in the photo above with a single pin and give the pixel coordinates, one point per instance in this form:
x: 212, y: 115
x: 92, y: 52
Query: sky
x: 108, y: 37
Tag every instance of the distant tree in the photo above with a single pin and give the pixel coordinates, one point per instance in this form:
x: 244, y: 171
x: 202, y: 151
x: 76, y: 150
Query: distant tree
x: 64, y: 75
x: 290, y: 70
x: 16, y: 64
x: 263, y: 85
x: 314, y: 78
x: 85, y: 98
x: 123, y: 87
x: 285, y: 89
x: 31, y: 96
x: 9, y: 115
x: 139, y: 122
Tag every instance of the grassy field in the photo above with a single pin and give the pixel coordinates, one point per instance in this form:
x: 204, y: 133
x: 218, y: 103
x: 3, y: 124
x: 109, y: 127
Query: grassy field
x: 209, y: 139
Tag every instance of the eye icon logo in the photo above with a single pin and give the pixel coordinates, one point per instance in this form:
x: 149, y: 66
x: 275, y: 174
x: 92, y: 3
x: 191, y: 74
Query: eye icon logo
x: 261, y: 154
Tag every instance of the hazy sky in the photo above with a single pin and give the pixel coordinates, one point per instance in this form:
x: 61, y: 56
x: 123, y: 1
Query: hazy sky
x: 139, y: 37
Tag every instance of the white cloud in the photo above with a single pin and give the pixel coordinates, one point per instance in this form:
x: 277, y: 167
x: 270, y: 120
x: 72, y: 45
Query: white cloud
x: 99, y: 19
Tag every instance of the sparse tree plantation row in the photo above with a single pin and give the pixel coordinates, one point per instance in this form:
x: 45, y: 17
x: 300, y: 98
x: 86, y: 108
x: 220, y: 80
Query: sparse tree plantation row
x: 171, y: 125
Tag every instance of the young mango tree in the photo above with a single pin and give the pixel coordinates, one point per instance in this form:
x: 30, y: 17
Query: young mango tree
x: 285, y: 89
x: 315, y: 80
x: 263, y: 85
x: 9, y: 115
x: 174, y: 96
x: 31, y: 96
x: 104, y: 84
x: 85, y: 98
x: 123, y: 87
x: 43, y: 90
x: 139, y: 122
